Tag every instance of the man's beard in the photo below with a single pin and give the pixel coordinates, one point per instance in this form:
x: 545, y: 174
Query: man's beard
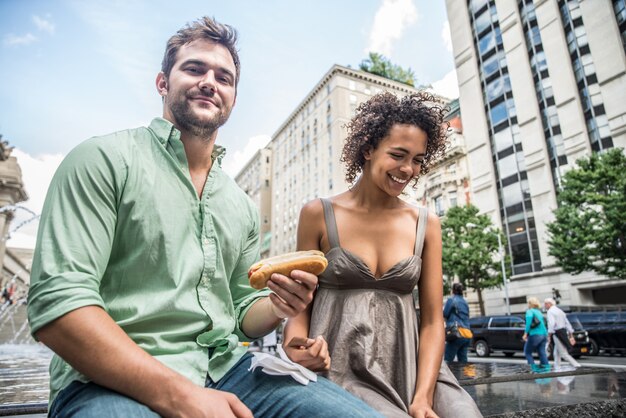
x: 187, y: 120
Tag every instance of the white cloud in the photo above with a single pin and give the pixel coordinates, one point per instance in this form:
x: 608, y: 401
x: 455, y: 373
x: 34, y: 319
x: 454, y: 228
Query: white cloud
x: 445, y: 34
x: 233, y: 164
x: 36, y: 175
x: 43, y: 24
x: 390, y: 21
x: 14, y: 40
x: 448, y: 86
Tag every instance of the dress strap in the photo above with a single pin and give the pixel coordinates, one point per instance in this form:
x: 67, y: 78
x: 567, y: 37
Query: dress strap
x: 421, y: 231
x: 331, y: 223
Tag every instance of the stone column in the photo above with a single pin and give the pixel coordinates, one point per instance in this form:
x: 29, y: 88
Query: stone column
x: 11, y: 192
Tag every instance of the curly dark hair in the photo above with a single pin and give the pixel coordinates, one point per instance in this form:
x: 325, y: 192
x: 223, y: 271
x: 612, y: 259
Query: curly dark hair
x: 375, y: 118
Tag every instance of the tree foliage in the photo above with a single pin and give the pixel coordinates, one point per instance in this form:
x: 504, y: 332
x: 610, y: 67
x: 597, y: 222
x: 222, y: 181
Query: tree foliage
x: 470, y: 249
x: 589, y: 229
x: 380, y: 65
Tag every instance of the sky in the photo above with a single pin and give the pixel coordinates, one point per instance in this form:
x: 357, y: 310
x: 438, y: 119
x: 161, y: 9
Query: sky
x: 73, y: 69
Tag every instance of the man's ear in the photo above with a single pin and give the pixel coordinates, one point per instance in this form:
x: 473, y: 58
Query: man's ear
x: 161, y: 84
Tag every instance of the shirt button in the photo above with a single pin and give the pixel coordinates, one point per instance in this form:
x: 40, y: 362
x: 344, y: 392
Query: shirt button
x: 205, y: 241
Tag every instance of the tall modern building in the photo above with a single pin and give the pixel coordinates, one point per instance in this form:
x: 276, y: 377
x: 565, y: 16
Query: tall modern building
x: 541, y: 84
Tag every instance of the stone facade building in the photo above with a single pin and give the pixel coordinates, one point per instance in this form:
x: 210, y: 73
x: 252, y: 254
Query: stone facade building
x: 15, y: 273
x: 255, y: 179
x: 447, y: 183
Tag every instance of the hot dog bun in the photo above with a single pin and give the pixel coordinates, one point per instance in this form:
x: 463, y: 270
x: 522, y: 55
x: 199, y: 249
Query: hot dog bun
x: 311, y: 261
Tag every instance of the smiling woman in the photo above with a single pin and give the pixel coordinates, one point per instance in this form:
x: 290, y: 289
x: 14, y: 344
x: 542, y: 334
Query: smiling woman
x: 362, y: 329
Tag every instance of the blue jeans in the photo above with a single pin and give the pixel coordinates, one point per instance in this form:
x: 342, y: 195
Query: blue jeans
x: 265, y: 395
x: 457, y: 348
x: 536, y: 343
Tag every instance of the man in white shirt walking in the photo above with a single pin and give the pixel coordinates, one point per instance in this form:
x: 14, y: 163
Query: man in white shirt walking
x: 561, y: 333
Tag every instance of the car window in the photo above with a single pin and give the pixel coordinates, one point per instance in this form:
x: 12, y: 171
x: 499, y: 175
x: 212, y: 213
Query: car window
x: 573, y: 319
x: 478, y: 322
x: 500, y: 322
x: 588, y: 318
x: 610, y: 318
x: 517, y: 322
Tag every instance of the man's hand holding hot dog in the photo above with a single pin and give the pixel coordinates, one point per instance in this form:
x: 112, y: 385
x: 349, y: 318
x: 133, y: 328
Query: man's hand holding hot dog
x: 292, y: 291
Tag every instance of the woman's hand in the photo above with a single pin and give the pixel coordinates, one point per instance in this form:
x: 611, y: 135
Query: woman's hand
x: 419, y: 409
x: 525, y: 337
x: 310, y: 353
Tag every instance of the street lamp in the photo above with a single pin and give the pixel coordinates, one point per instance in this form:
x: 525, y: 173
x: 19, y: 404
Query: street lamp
x: 502, y: 254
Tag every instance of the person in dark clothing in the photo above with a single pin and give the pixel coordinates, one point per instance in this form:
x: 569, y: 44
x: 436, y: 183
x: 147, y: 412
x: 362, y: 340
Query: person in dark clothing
x: 456, y: 310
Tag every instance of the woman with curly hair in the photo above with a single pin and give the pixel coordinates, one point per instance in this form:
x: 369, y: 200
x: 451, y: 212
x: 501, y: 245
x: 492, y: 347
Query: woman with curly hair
x: 378, y: 248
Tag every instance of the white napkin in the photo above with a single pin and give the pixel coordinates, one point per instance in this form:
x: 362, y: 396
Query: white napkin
x: 282, y: 366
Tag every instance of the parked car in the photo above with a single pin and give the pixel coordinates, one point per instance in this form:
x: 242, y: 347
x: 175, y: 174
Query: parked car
x: 504, y: 333
x: 607, y: 330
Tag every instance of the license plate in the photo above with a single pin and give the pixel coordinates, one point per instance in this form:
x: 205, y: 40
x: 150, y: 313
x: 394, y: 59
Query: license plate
x: 583, y: 350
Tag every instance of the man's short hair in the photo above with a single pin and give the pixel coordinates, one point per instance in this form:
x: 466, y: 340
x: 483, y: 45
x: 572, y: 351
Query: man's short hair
x: 550, y: 301
x: 457, y: 288
x: 205, y: 28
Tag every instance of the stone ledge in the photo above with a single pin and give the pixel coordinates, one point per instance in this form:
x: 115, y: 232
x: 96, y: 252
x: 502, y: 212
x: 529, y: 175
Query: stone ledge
x: 609, y: 409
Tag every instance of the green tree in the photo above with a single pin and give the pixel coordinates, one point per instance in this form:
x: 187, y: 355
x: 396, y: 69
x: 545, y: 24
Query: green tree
x: 589, y: 229
x: 470, y: 247
x: 380, y: 65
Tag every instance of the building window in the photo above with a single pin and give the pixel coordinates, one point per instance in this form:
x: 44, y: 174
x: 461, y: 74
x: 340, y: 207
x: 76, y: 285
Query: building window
x: 439, y: 210
x: 620, y: 15
x: 452, y: 199
x: 452, y: 168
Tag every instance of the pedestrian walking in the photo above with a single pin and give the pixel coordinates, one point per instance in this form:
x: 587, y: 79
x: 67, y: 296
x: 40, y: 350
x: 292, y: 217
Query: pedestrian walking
x: 535, y: 335
x: 561, y: 334
x: 457, y: 310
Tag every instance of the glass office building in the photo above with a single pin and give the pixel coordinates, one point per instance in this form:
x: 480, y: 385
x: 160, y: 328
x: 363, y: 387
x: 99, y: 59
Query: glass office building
x: 542, y: 83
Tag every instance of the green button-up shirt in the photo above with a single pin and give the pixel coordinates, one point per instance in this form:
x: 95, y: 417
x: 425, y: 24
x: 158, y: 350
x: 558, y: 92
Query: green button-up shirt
x: 123, y: 228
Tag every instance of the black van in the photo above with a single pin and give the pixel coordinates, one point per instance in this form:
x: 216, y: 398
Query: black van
x: 504, y: 333
x: 607, y: 330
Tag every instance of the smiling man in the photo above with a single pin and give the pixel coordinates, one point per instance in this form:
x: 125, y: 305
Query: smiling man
x: 139, y: 281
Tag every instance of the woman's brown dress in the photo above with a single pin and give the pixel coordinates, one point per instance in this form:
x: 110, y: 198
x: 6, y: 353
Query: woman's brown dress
x: 371, y: 328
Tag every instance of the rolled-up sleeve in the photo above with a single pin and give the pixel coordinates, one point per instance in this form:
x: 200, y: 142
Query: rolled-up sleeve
x: 75, y: 233
x: 242, y: 293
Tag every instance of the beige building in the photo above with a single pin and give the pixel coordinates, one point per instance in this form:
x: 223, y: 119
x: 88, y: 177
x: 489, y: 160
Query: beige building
x: 255, y: 179
x: 541, y: 84
x: 306, y: 148
x: 15, y: 271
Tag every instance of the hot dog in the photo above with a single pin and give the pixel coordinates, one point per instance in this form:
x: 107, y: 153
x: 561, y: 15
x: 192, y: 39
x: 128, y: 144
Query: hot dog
x: 310, y: 261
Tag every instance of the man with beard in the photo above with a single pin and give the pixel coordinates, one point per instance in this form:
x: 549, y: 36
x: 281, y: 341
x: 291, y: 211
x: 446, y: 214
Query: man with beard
x: 139, y: 280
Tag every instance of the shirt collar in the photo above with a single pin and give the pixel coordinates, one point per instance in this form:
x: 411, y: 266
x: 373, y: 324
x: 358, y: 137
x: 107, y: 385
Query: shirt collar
x: 166, y: 131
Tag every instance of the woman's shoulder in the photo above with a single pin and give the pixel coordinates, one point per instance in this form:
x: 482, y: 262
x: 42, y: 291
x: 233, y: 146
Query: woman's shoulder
x: 312, y: 208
